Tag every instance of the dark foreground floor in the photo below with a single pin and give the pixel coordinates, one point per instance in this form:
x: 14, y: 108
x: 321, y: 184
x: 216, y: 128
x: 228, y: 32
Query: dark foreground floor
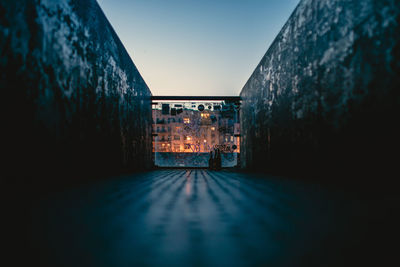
x: 205, y: 218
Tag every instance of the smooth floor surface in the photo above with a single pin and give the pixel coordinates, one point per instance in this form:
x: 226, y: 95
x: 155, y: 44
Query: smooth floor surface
x: 209, y: 218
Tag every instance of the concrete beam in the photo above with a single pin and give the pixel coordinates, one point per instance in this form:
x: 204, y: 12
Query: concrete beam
x: 76, y: 101
x: 324, y: 99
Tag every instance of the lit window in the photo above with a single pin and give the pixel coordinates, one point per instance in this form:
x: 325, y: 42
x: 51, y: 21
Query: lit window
x: 188, y: 138
x: 212, y: 128
x: 205, y: 141
x: 186, y: 120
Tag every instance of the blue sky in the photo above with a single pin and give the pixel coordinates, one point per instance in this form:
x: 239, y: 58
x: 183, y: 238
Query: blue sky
x: 188, y: 47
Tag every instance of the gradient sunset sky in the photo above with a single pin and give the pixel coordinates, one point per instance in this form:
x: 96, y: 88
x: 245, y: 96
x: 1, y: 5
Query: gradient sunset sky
x: 188, y: 47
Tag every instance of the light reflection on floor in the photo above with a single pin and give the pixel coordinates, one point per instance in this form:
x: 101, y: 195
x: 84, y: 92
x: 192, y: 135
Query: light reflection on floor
x: 200, y: 218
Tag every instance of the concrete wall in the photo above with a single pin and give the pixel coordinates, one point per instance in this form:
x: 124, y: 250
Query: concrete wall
x: 324, y: 99
x: 75, y: 100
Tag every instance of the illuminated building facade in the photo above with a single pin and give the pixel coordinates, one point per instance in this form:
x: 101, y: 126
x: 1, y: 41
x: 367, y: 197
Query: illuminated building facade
x: 195, y: 128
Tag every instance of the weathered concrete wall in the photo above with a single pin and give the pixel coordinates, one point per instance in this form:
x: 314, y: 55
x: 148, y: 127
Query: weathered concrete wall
x: 75, y: 100
x: 324, y: 98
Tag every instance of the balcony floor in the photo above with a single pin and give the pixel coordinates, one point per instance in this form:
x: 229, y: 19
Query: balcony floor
x: 208, y: 218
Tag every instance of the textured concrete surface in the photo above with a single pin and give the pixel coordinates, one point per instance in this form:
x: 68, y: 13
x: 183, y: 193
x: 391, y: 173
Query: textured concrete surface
x: 205, y: 218
x: 74, y: 98
x: 324, y: 98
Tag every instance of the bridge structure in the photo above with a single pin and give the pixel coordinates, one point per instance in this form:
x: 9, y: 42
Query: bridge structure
x: 316, y: 137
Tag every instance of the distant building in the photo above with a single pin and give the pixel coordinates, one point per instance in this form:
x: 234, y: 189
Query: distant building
x: 190, y: 130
